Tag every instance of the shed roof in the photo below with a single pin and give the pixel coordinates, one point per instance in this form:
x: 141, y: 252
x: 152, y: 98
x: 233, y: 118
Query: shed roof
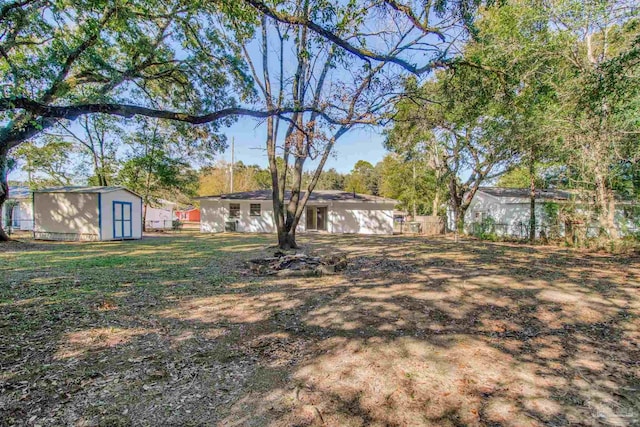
x: 316, y: 196
x: 19, y: 192
x: 545, y: 193
x: 81, y: 189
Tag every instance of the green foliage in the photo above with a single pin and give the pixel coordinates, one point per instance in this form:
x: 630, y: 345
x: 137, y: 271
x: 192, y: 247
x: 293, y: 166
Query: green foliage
x: 363, y: 179
x: 546, y: 176
x: 330, y: 179
x: 543, y: 89
x: 47, y: 164
x: 152, y: 171
x: 551, y: 212
x: 164, y: 54
x: 157, y: 175
x: 485, y: 229
x: 397, y: 181
x: 518, y: 177
x: 216, y: 179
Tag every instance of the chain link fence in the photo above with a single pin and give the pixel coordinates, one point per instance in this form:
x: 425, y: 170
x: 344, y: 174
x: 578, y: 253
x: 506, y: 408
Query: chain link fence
x: 520, y: 230
x: 163, y: 225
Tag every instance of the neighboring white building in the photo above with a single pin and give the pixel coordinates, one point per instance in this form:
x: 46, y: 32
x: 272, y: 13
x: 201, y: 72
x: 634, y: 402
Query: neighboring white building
x: 509, y: 209
x: 87, y: 213
x: 160, y: 216
x: 20, y: 202
x: 326, y: 211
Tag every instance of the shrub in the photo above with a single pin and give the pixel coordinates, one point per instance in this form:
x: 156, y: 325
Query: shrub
x: 485, y: 229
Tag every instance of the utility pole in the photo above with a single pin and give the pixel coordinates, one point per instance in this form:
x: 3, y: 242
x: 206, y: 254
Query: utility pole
x: 233, y: 143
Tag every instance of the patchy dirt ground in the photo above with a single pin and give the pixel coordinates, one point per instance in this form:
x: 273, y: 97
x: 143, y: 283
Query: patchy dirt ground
x: 169, y: 331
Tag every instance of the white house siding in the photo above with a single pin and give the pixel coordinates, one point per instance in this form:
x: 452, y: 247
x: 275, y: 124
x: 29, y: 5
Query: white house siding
x: 626, y: 224
x: 511, y: 215
x: 347, y: 217
x: 360, y: 218
x: 214, y: 214
x: 66, y: 216
x: 106, y: 213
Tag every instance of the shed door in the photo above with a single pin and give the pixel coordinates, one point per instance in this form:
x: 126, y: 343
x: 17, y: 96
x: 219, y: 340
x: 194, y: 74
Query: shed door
x: 122, y: 224
x: 15, y: 216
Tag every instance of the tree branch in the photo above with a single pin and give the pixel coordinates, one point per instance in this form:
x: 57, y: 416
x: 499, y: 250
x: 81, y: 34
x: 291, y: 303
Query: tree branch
x: 406, y: 10
x: 361, y: 53
x: 72, y: 112
x: 9, y: 7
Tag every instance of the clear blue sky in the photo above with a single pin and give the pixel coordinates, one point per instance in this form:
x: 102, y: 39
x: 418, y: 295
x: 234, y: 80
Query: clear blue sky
x: 357, y: 144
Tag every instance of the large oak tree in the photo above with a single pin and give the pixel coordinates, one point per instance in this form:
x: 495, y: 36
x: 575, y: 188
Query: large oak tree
x: 179, y: 60
x: 349, y: 68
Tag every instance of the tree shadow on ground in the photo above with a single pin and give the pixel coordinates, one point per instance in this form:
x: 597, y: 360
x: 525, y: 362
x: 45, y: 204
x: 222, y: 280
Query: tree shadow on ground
x: 414, y: 332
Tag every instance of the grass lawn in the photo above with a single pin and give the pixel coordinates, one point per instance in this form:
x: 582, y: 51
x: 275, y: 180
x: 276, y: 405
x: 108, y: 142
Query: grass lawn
x: 174, y: 331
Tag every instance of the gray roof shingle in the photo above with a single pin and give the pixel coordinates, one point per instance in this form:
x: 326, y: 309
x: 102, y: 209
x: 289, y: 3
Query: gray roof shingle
x: 316, y: 196
x: 19, y: 192
x: 81, y: 189
x: 544, y: 193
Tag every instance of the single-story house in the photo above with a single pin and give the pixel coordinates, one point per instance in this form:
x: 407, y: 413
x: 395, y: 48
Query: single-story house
x: 87, y: 213
x: 509, y: 210
x: 326, y: 211
x: 190, y: 214
x: 21, y: 215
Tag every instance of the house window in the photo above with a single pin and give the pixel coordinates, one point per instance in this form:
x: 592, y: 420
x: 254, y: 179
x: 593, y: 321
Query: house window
x: 478, y: 216
x: 234, y: 210
x: 254, y: 209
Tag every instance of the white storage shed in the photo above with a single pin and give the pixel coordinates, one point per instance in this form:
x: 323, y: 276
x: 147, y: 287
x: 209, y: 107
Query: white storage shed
x: 87, y: 213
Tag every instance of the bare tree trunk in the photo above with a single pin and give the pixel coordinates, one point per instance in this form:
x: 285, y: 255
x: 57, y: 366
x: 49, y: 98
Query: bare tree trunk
x: 436, y: 203
x: 4, y: 188
x: 102, y: 172
x: 605, y: 202
x: 611, y: 215
x: 96, y: 168
x: 532, y: 200
x: 144, y: 218
x: 287, y: 239
x: 456, y: 206
x: 415, y: 209
x: 462, y: 211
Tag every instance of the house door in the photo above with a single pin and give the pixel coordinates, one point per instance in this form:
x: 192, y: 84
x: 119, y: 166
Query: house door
x: 316, y: 218
x: 321, y: 219
x: 122, y: 223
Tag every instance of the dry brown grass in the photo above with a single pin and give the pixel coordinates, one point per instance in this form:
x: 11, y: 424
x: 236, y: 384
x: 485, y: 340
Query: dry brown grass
x: 414, y: 333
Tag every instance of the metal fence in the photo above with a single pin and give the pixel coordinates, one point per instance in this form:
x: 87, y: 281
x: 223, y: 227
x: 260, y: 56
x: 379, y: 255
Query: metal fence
x: 163, y: 225
x: 166, y: 224
x: 170, y: 225
x: 520, y: 230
